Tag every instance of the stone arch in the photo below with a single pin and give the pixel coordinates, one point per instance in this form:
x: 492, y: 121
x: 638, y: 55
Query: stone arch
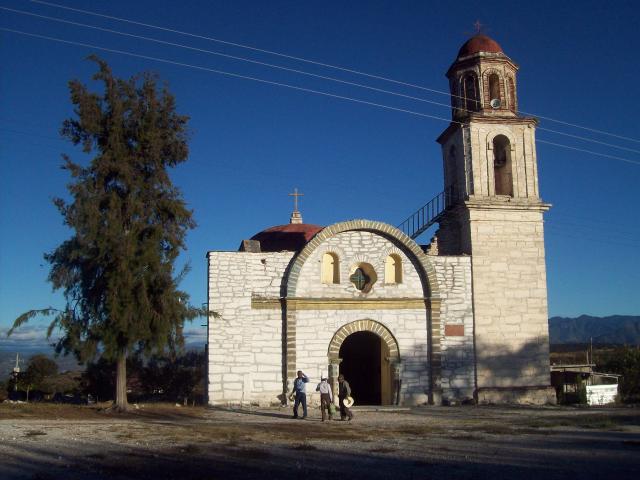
x: 363, y: 326
x: 412, y: 249
x: 426, y: 270
x: 501, y: 131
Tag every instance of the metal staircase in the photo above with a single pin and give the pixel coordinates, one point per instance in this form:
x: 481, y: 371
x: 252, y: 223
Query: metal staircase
x: 428, y: 214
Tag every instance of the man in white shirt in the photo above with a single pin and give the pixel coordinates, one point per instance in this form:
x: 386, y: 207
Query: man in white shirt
x: 326, y: 398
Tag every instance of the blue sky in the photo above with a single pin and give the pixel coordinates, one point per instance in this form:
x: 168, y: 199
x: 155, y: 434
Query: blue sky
x: 252, y: 143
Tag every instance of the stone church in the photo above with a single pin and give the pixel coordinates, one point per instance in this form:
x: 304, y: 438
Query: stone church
x: 461, y: 319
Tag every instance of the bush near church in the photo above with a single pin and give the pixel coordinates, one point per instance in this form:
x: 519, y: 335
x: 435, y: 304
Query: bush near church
x: 624, y: 361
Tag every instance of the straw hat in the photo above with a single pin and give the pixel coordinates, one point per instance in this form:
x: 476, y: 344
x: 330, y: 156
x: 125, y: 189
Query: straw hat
x: 348, y: 402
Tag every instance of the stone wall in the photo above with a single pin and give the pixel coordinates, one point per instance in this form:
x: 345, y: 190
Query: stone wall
x: 245, y: 344
x: 456, y: 313
x: 510, y: 297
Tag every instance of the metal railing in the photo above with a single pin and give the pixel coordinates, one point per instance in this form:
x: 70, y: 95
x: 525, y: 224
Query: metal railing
x: 429, y: 213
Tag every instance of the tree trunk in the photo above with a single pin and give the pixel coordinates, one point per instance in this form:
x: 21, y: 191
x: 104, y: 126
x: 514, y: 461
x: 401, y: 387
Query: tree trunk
x: 121, y: 383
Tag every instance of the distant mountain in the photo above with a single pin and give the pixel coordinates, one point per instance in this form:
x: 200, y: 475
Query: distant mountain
x: 616, y: 329
x: 65, y: 363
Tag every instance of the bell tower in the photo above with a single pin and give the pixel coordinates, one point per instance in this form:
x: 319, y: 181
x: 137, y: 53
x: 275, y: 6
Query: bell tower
x: 490, y: 168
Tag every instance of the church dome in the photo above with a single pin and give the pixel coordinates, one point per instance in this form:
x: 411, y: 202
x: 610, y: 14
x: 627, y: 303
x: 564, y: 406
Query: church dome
x: 479, y: 43
x: 292, y: 237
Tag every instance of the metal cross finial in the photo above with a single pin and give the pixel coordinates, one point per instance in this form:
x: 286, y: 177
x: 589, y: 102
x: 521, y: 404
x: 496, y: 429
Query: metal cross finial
x: 478, y: 26
x: 295, y: 196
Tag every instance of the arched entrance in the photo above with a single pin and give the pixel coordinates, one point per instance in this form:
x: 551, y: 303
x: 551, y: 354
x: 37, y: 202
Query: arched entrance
x: 363, y: 357
x: 366, y: 353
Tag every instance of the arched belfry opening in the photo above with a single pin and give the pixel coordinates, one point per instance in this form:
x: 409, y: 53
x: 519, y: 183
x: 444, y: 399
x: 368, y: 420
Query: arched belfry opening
x: 502, y: 166
x: 367, y: 355
x: 470, y: 93
x: 494, y: 89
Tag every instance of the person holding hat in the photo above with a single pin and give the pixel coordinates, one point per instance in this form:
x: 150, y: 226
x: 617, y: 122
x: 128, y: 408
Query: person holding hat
x: 326, y: 397
x: 300, y: 391
x: 344, y: 395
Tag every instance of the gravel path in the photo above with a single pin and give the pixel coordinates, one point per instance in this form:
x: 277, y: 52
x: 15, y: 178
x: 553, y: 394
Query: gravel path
x: 165, y: 442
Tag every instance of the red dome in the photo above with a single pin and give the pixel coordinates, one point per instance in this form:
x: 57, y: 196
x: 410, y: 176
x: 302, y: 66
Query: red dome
x: 292, y: 237
x: 479, y: 43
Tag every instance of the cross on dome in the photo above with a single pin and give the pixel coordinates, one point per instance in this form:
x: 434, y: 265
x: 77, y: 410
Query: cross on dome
x: 296, y: 217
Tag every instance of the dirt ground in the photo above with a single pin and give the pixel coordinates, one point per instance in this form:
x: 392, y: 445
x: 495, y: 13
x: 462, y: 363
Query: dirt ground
x: 167, y: 442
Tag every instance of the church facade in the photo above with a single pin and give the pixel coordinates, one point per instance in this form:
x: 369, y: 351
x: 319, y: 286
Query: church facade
x: 462, y: 319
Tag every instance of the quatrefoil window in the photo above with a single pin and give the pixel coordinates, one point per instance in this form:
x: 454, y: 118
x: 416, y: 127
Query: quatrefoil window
x: 363, y: 277
x: 359, y: 279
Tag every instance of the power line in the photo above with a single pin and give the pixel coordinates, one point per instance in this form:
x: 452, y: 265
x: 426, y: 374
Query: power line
x: 234, y: 57
x: 230, y: 74
x: 589, y: 140
x: 589, y: 151
x: 280, y: 84
x: 313, y: 62
x: 279, y: 67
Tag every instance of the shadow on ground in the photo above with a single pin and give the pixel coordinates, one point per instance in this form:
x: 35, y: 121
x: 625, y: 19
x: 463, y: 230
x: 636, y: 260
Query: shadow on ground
x: 575, y: 455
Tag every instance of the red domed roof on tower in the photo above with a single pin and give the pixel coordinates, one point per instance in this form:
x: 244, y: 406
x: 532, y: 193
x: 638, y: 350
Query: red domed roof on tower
x: 479, y: 43
x: 292, y: 237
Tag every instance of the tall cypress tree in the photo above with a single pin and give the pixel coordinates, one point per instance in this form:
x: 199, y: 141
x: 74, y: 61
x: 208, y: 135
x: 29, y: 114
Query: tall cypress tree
x: 129, y: 222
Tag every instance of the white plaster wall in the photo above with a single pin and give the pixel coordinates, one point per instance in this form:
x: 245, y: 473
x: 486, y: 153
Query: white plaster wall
x: 245, y: 344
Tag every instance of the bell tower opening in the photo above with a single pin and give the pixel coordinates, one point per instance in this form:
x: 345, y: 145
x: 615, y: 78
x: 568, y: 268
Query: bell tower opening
x: 364, y: 364
x: 502, y: 166
x: 494, y: 89
x: 470, y: 91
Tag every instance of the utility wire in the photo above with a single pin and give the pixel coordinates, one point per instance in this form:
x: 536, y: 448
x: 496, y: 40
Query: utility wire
x: 614, y: 157
x: 242, y: 59
x: 230, y: 74
x: 280, y: 84
x: 300, y: 59
x: 588, y: 139
x: 279, y: 67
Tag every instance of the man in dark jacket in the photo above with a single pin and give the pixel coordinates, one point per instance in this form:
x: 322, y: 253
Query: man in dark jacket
x: 300, y: 391
x: 344, y: 391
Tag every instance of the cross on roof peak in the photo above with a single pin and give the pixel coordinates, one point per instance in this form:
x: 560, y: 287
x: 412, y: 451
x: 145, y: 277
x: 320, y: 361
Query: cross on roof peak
x: 295, y: 216
x: 478, y: 26
x: 295, y: 196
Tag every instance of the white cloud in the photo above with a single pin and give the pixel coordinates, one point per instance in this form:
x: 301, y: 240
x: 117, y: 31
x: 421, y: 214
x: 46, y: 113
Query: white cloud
x: 27, y: 337
x: 34, y: 336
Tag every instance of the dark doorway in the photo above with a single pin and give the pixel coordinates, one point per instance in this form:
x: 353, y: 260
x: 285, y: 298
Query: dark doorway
x: 361, y: 366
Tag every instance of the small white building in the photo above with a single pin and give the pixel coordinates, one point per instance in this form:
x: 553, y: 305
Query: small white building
x: 464, y: 318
